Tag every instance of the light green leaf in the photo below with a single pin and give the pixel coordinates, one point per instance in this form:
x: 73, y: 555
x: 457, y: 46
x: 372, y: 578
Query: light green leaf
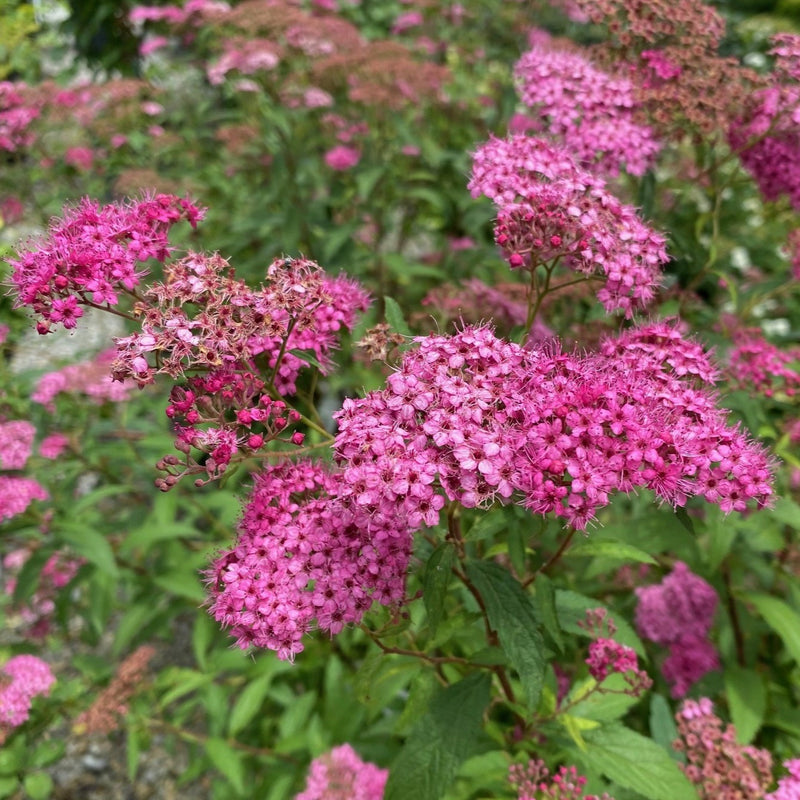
x: 38, y: 785
x: 248, y: 704
x: 512, y: 615
x: 609, y: 549
x: 662, y: 724
x: 781, y: 618
x: 442, y: 739
x: 92, y: 545
x: 182, y: 584
x: 228, y: 761
x: 395, y: 318
x: 636, y: 762
x: 747, y: 700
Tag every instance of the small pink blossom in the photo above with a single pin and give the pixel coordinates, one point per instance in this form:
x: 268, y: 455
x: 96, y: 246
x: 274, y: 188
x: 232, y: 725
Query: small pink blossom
x: 21, y: 679
x: 16, y: 440
x: 342, y: 775
x: 407, y: 21
x: 81, y: 158
x: 53, y: 446
x: 16, y: 494
x: 342, y: 158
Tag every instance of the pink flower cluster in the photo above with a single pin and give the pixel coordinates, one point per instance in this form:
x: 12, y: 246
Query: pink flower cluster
x: 756, y: 364
x: 200, y: 317
x: 191, y: 11
x: 767, y: 134
x: 608, y: 657
x: 91, y: 378
x: 303, y: 554
x: 678, y: 614
x: 585, y: 109
x: 533, y: 781
x: 342, y: 775
x: 549, y: 209
x: 17, y: 493
x: 93, y: 254
x: 221, y: 414
x: 246, y: 56
x: 489, y: 421
x: 16, y: 441
x: 21, y: 679
x: 56, y: 573
x: 15, y: 118
x: 719, y: 767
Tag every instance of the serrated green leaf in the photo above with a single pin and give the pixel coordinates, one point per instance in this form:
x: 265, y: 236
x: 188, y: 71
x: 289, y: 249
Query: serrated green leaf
x: 619, y: 551
x: 395, y: 318
x: 248, y: 704
x: 637, y: 763
x: 747, y: 700
x: 781, y: 618
x: 603, y: 706
x: 228, y: 761
x: 512, y: 615
x: 435, y: 582
x: 440, y: 742
x: 575, y: 726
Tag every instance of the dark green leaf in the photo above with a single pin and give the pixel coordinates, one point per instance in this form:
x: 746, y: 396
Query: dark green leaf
x: 546, y: 604
x: 781, y: 618
x: 434, y: 585
x: 663, y: 730
x: 395, y: 318
x: 747, y: 700
x: 511, y: 614
x: 442, y: 739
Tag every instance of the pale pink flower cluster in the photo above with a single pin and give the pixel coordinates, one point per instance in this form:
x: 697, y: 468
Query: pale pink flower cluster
x: 549, y: 209
x: 487, y: 420
x: 767, y: 134
x: 678, y: 613
x: 719, y: 767
x: 56, y: 573
x: 53, y: 445
x: 16, y: 442
x: 21, y: 679
x: 342, y: 775
x: 534, y: 781
x: 756, y: 364
x: 201, y: 317
x: 244, y: 55
x: 788, y: 785
x: 15, y: 118
x: 303, y: 555
x: 589, y: 111
x: 91, y: 378
x: 93, y: 254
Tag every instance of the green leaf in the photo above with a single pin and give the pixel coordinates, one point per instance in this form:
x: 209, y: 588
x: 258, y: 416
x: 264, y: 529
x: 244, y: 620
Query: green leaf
x: 92, y: 545
x: 308, y: 357
x: 395, y: 318
x: 228, y: 761
x: 781, y: 618
x: 248, y: 704
x: 512, y: 615
x: 132, y: 622
x: 8, y: 786
x: 181, y: 584
x: 38, y: 785
x: 152, y: 531
x: 747, y: 700
x: 787, y: 511
x: 546, y: 604
x: 434, y: 584
x: 609, y: 549
x: 28, y: 576
x: 662, y: 724
x: 609, y: 704
x: 684, y: 519
x: 637, y: 763
x: 443, y: 738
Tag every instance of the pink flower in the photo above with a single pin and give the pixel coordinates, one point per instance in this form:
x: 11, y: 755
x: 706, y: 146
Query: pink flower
x: 151, y: 44
x: 342, y: 775
x: 16, y: 439
x: 16, y: 494
x: 81, y: 158
x: 788, y: 785
x: 53, y: 445
x: 406, y: 21
x: 342, y: 157
x: 29, y: 677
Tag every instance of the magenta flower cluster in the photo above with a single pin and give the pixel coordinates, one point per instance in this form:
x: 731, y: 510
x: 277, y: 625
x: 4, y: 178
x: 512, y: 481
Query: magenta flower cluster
x: 21, y: 679
x: 758, y: 365
x: 15, y: 118
x: 767, y: 134
x: 490, y: 421
x: 93, y: 254
x: 789, y: 784
x: 678, y: 613
x: 342, y: 775
x: 585, y: 109
x: 17, y: 492
x: 551, y: 210
x: 303, y: 555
